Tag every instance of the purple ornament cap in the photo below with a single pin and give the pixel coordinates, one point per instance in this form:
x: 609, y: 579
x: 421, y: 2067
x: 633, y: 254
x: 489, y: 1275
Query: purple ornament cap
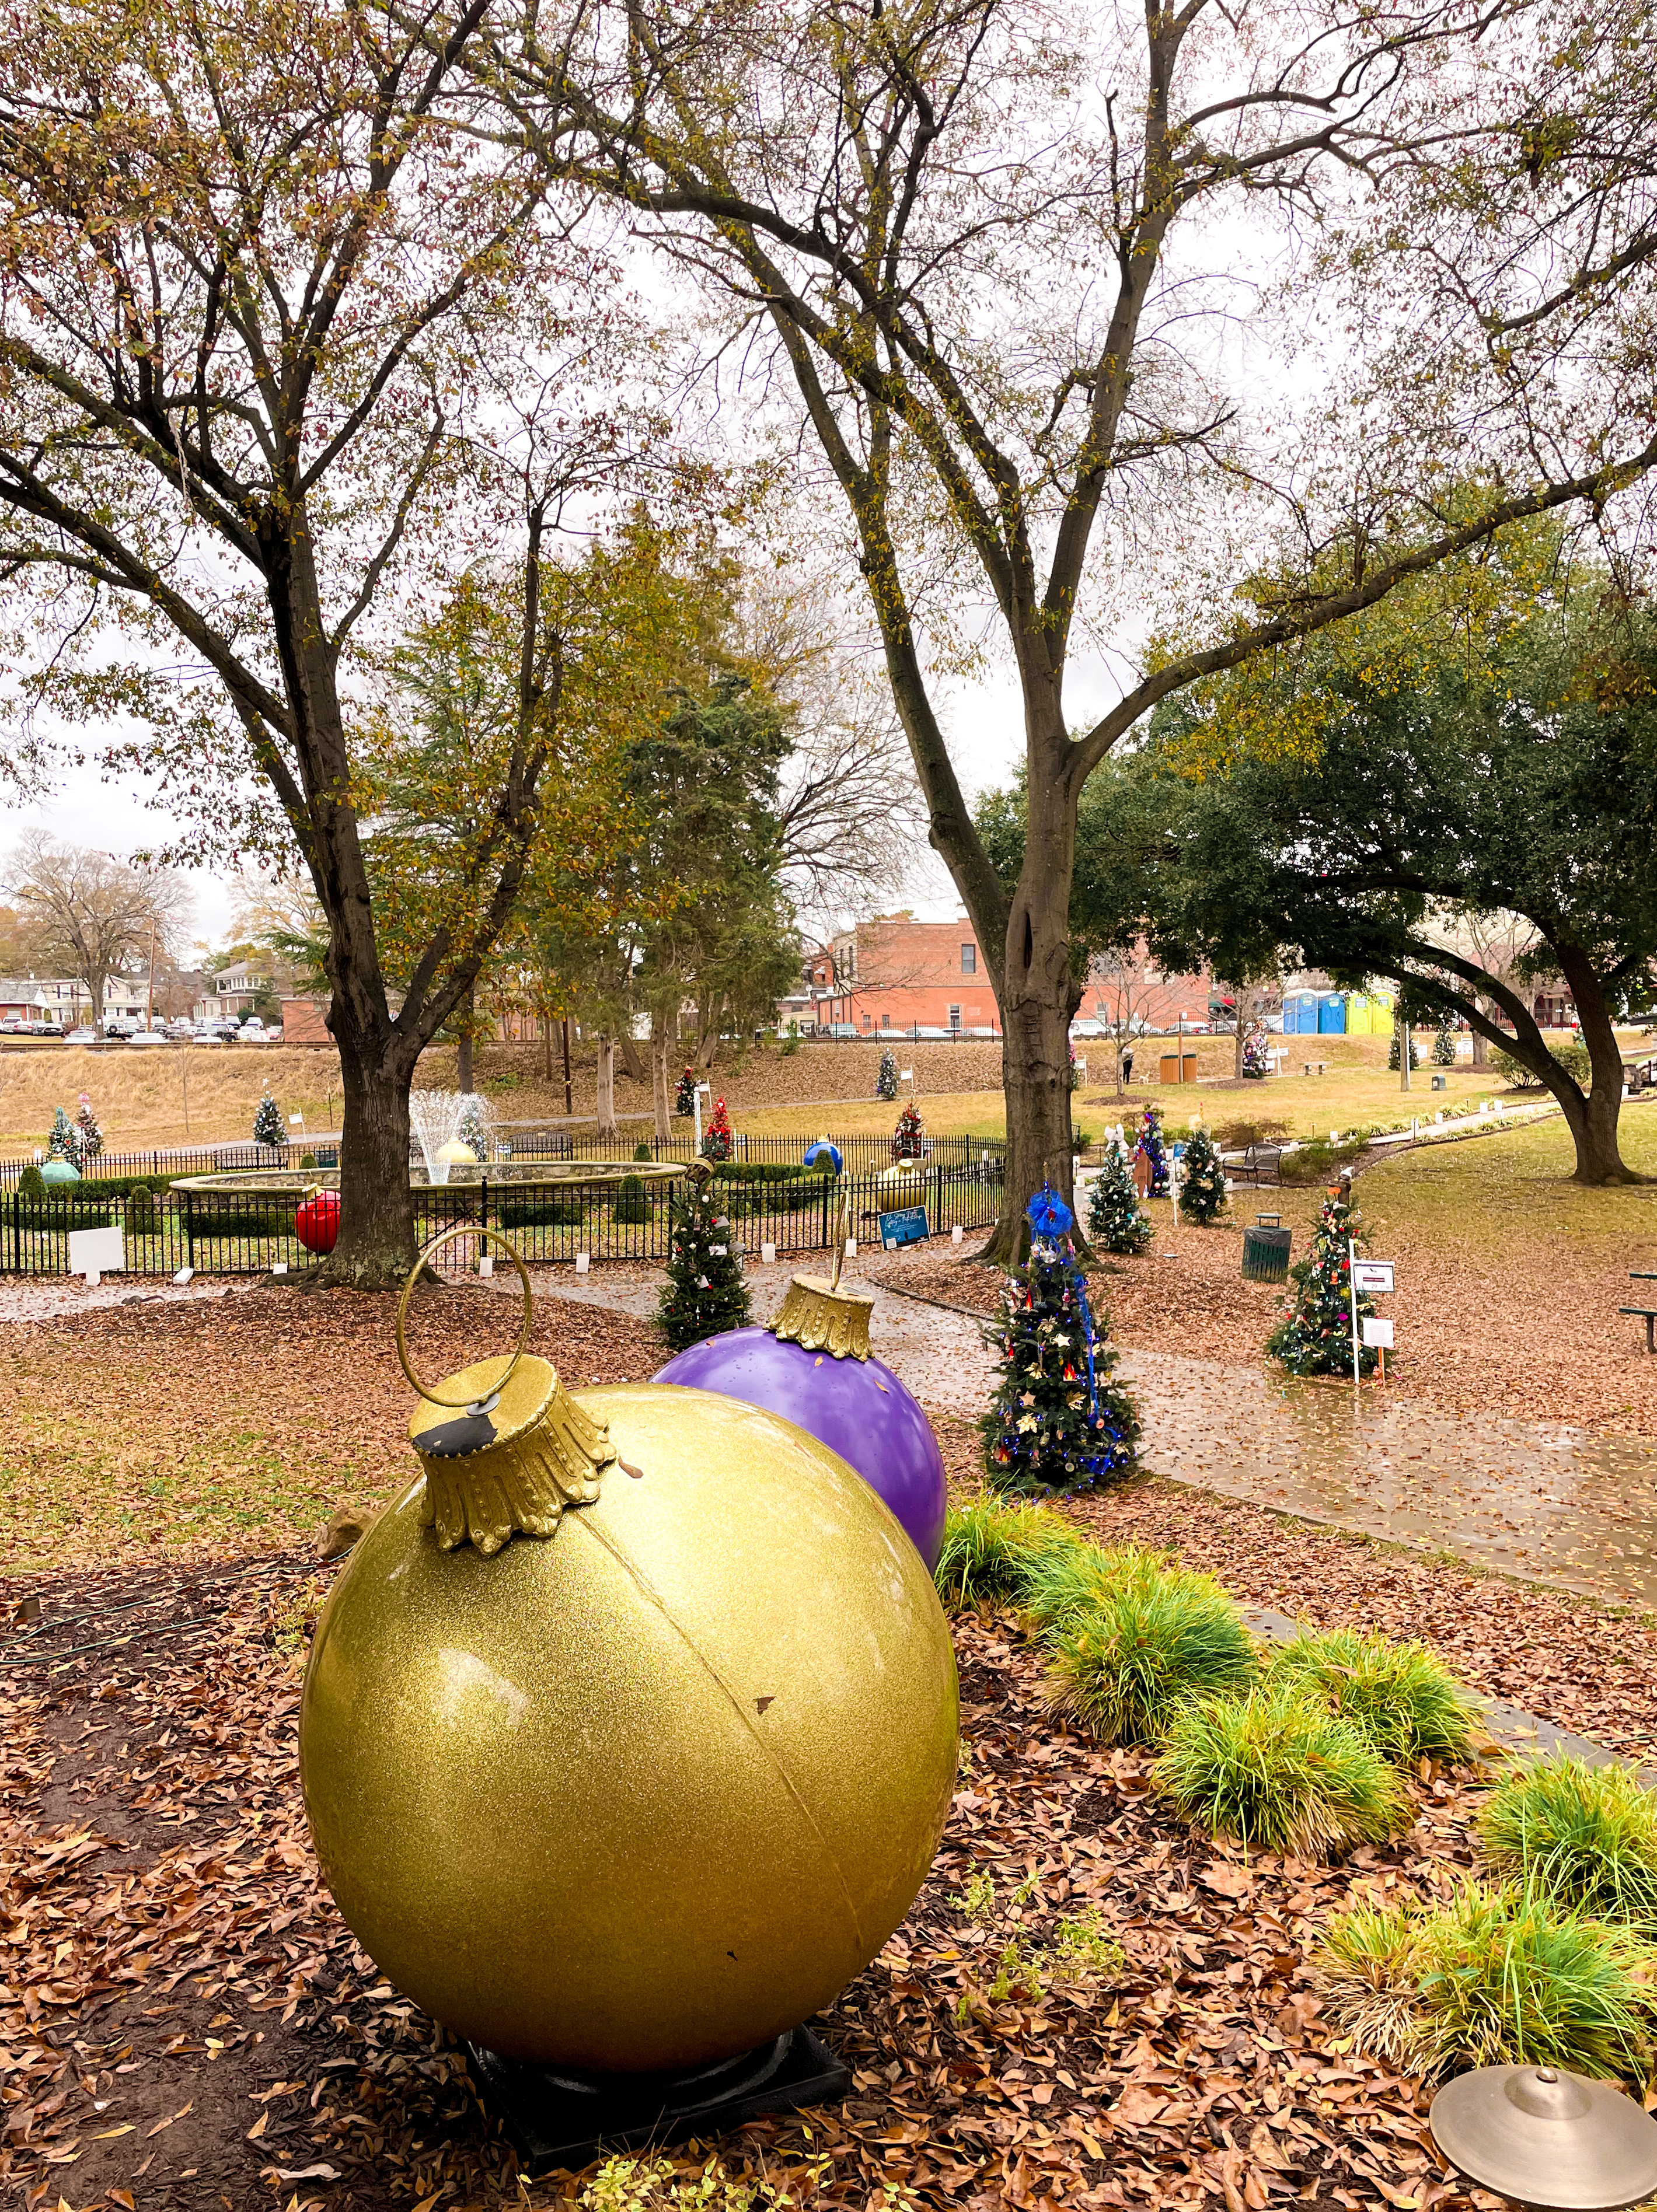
x: 856, y: 1406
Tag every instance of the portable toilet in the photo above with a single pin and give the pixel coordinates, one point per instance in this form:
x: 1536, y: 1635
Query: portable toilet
x: 1299, y: 1013
x: 1331, y: 1014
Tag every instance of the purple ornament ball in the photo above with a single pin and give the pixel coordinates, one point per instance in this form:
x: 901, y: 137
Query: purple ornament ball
x: 858, y: 1407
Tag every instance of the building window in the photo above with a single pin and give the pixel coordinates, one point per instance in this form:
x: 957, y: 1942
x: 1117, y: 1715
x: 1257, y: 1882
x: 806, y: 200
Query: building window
x: 886, y: 1021
x: 868, y: 1021
x: 969, y: 959
x: 955, y: 1017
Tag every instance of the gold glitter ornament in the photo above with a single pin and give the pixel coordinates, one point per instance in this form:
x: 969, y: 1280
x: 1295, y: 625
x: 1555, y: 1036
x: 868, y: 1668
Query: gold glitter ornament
x: 649, y: 1786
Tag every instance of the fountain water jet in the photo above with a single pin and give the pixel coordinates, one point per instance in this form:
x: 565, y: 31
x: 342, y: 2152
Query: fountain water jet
x: 451, y: 1128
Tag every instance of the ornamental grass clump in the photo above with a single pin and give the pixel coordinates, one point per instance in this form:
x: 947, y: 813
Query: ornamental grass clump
x: 1504, y: 1974
x: 1149, y: 1643
x: 1066, y: 1582
x: 1279, y: 1770
x: 992, y: 1548
x: 1586, y: 1834
x: 1398, y: 1695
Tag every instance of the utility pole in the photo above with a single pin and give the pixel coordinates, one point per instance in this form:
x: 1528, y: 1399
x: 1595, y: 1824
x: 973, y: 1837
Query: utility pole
x: 568, y: 1107
x: 150, y: 1017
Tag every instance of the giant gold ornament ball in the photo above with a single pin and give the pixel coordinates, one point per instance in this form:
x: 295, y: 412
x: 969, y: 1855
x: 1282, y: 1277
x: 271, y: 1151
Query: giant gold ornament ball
x: 650, y: 1790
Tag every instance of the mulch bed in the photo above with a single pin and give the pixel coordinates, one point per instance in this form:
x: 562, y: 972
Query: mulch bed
x: 187, y: 2024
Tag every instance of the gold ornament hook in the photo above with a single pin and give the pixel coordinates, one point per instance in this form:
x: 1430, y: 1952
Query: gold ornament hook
x: 447, y: 1237
x: 840, y: 1241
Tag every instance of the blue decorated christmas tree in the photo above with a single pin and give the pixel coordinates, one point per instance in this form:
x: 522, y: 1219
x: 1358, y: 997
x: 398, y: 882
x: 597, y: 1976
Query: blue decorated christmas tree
x: 1058, y: 1421
x: 1152, y: 1146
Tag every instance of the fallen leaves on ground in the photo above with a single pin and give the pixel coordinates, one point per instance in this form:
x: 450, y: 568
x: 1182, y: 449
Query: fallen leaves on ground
x: 187, y: 2024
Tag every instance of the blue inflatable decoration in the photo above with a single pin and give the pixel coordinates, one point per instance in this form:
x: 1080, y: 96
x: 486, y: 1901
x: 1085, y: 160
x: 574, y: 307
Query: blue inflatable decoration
x: 822, y: 1150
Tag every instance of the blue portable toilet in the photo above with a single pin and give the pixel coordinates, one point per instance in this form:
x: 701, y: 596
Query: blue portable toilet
x: 1300, y: 1014
x: 1332, y: 1015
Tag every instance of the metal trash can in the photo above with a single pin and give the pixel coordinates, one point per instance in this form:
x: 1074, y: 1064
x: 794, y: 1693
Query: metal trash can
x: 1266, y: 1255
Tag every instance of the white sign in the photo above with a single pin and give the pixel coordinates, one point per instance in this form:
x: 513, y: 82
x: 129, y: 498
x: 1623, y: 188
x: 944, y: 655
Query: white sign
x: 94, y: 1252
x: 1371, y: 1276
x: 1378, y: 1333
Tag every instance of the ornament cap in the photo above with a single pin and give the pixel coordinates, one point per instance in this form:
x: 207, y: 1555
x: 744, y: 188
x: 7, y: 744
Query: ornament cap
x: 819, y: 1316
x: 521, y: 1453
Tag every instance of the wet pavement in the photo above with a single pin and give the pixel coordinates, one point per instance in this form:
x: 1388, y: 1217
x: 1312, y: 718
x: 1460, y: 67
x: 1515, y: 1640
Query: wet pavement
x: 1543, y: 1501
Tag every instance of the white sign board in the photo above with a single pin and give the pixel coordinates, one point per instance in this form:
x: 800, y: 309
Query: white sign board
x: 94, y: 1252
x: 1371, y: 1276
x: 1378, y: 1333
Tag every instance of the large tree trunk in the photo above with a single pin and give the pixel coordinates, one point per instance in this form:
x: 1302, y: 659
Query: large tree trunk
x: 661, y: 1045
x: 376, y: 1242
x: 607, y: 1087
x: 1241, y: 1029
x: 1599, y: 1158
x: 463, y: 1055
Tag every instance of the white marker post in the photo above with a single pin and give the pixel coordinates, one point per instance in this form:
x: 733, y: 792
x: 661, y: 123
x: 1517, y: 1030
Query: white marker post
x: 696, y: 1107
x: 1375, y: 1278
x: 1352, y: 1293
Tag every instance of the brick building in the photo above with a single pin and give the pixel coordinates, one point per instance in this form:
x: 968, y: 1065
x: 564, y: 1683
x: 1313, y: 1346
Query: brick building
x: 926, y: 978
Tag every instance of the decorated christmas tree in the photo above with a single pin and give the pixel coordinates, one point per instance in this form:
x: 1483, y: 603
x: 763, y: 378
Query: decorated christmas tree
x: 1075, y: 1072
x: 267, y: 1121
x: 1315, y: 1336
x: 90, y: 1136
x: 64, y: 1142
x: 886, y: 1082
x: 907, y: 1136
x: 1256, y: 1065
x: 1057, y: 1421
x: 705, y: 1292
x: 717, y: 1142
x: 1394, y: 1054
x: 1154, y: 1150
x: 1115, y: 1220
x: 1444, y: 1042
x: 1202, y: 1179
x: 685, y: 1097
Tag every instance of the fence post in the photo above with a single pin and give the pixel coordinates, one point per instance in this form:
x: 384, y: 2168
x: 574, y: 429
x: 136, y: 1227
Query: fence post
x: 825, y: 1182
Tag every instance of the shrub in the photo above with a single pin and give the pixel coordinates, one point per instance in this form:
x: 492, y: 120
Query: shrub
x: 1573, y: 1058
x: 1318, y: 1162
x: 1502, y: 1975
x: 241, y: 1221
x: 31, y: 1185
x: 642, y: 1152
x: 140, y: 1211
x: 1586, y: 1834
x: 632, y: 1202
x: 991, y: 1549
x: 1237, y: 1136
x: 1398, y: 1695
x: 540, y: 1212
x: 1148, y: 1644
x: 308, y: 1160
x: 1277, y: 1769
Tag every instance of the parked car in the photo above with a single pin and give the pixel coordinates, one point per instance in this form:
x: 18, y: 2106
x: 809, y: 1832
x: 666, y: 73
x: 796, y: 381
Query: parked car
x: 120, y: 1025
x: 13, y: 1025
x: 82, y: 1036
x: 215, y: 1032
x: 46, y: 1029
x: 252, y: 1031
x: 151, y: 1036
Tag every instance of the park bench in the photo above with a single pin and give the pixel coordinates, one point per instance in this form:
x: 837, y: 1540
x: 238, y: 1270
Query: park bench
x: 1639, y: 1075
x: 1259, y: 1160
x: 1646, y: 1314
x: 1308, y: 1065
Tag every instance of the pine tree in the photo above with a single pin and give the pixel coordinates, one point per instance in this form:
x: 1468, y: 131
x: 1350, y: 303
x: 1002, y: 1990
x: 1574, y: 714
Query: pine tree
x: 1315, y: 1336
x: 1154, y: 1150
x: 267, y: 1121
x: 64, y: 1142
x: 1394, y: 1053
x: 685, y: 1097
x: 473, y: 1129
x: 1116, y: 1222
x: 908, y: 1136
x: 1202, y: 1179
x: 1057, y: 1421
x: 1444, y: 1044
x: 705, y: 1293
x: 886, y: 1082
x: 717, y: 1142
x: 90, y: 1136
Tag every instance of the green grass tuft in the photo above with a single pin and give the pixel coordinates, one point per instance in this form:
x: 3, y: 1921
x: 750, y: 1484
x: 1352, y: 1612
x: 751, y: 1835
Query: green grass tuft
x: 1398, y: 1695
x: 1502, y: 1975
x: 1586, y: 1834
x: 992, y: 1547
x: 1149, y: 1642
x: 1279, y: 1770
x: 1063, y: 1584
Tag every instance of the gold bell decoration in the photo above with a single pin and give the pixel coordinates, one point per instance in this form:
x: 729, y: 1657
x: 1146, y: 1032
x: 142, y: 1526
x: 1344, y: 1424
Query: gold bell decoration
x: 630, y: 1727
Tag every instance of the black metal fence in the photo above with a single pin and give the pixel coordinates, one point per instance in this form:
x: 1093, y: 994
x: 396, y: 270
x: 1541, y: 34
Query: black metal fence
x: 243, y: 1232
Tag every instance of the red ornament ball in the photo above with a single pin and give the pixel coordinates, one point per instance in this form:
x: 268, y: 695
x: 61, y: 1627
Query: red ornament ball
x: 316, y: 1222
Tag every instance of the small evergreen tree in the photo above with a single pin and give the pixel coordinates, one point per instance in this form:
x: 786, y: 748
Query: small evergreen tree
x: 1444, y: 1042
x: 886, y: 1082
x: 717, y: 1142
x: 705, y: 1292
x: 685, y: 1097
x: 89, y: 1135
x: 64, y: 1142
x: 140, y: 1211
x: 1116, y: 1222
x: 1202, y: 1179
x: 267, y: 1121
x: 910, y: 1134
x: 31, y: 1185
x: 1315, y: 1336
x: 473, y: 1129
x: 1395, y: 1052
x: 1155, y: 1149
x: 1057, y: 1421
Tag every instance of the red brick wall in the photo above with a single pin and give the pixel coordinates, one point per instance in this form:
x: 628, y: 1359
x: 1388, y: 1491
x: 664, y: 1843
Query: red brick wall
x: 302, y: 1022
